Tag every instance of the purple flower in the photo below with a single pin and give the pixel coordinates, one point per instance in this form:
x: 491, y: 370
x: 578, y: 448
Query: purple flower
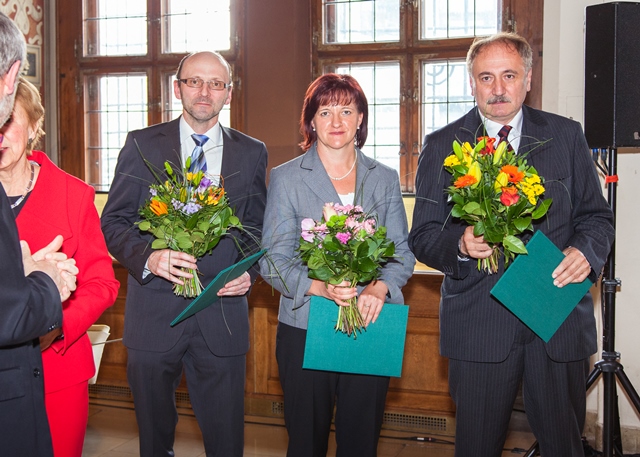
x: 191, y: 208
x: 153, y: 191
x: 177, y: 204
x: 205, y: 182
x: 343, y: 237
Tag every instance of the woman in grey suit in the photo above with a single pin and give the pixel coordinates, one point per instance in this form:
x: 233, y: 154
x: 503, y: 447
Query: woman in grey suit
x: 333, y: 169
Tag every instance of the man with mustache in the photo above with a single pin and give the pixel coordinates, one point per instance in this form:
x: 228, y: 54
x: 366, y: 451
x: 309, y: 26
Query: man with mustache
x: 490, y: 350
x: 211, y: 345
x: 33, y: 288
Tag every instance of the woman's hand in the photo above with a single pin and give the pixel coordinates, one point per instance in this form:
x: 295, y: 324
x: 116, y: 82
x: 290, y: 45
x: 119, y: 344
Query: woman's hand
x: 339, y: 293
x: 371, y: 301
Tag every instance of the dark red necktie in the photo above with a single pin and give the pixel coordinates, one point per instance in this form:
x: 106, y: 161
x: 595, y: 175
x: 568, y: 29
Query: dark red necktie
x: 503, y: 135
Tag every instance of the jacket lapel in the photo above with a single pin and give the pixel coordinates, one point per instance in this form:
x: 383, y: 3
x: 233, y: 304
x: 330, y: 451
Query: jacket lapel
x: 317, y: 179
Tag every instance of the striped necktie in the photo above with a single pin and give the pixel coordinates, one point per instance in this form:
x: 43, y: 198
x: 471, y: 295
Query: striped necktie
x: 503, y: 135
x: 198, y: 160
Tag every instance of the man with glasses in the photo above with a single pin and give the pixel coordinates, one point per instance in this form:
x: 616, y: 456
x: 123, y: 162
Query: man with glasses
x: 211, y: 345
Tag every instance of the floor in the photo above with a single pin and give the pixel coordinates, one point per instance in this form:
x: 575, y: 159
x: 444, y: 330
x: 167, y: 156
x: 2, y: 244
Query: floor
x: 112, y: 432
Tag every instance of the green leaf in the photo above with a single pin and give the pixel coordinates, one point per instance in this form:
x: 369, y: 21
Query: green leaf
x: 473, y: 208
x: 212, y: 244
x: 367, y: 265
x: 159, y: 244
x: 144, y: 226
x: 184, y: 243
x: 522, y: 224
x: 331, y: 244
x: 542, y: 208
x: 514, y: 244
x: 203, y: 226
x: 322, y: 273
x: 193, y: 221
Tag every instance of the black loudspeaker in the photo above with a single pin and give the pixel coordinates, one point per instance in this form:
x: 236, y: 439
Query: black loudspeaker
x: 612, y: 75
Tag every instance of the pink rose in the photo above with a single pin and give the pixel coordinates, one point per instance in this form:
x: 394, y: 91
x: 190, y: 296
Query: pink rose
x: 328, y: 210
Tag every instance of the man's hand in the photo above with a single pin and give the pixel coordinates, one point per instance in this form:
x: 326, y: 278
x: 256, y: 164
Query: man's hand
x: 54, y: 264
x: 238, y: 286
x: 474, y: 246
x: 168, y: 264
x: 574, y: 268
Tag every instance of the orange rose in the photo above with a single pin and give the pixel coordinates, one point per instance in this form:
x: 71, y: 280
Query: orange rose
x: 509, y: 196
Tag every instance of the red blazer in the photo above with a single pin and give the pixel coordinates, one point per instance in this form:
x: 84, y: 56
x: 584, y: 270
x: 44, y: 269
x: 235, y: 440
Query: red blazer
x: 61, y: 204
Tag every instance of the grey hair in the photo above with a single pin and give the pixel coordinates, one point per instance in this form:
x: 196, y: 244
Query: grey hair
x: 12, y: 45
x: 510, y: 39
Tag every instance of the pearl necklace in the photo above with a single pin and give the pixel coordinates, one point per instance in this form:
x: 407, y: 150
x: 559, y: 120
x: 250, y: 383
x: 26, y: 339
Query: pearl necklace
x: 28, y: 189
x: 348, y: 172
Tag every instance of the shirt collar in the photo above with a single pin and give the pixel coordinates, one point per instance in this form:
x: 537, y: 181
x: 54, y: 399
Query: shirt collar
x: 492, y: 128
x: 214, y: 134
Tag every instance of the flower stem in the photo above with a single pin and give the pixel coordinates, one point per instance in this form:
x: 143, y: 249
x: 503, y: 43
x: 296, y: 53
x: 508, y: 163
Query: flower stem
x: 191, y: 288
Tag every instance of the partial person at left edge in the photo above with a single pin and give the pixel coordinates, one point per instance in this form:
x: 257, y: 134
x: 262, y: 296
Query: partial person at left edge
x: 47, y: 201
x: 33, y: 287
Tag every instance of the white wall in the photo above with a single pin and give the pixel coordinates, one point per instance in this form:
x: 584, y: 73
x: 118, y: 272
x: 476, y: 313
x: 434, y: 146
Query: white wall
x: 563, y: 93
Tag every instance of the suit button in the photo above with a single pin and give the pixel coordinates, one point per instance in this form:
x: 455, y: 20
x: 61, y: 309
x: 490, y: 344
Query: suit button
x: 36, y: 372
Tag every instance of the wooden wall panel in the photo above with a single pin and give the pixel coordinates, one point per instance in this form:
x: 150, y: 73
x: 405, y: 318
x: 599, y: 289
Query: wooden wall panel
x: 422, y: 389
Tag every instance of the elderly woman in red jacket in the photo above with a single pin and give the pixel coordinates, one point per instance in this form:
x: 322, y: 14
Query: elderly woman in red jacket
x: 46, y: 202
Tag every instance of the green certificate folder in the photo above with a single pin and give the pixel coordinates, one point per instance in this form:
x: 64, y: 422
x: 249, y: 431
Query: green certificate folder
x: 210, y: 295
x: 527, y: 289
x: 377, y: 351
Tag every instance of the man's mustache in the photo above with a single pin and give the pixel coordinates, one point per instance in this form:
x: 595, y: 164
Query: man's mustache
x: 498, y: 99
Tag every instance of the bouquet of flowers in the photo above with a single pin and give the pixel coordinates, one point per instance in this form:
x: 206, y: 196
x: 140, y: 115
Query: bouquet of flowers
x: 345, y: 245
x: 187, y: 213
x: 495, y: 190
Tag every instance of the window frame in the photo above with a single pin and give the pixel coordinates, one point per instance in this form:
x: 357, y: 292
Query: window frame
x: 74, y: 67
x: 522, y: 16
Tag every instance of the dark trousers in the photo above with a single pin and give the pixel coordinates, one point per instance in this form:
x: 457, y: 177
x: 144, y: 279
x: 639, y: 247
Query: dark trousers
x: 554, y: 397
x: 216, y: 391
x: 310, y: 397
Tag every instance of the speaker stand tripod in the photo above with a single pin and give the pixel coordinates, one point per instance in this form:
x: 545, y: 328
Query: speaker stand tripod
x: 609, y: 366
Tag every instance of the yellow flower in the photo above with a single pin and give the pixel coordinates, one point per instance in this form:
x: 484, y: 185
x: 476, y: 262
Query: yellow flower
x: 502, y: 180
x: 451, y: 161
x: 532, y: 188
x: 467, y: 148
x: 476, y: 172
x: 497, y: 156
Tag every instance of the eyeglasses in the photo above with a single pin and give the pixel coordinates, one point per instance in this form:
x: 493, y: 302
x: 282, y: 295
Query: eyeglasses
x: 197, y: 83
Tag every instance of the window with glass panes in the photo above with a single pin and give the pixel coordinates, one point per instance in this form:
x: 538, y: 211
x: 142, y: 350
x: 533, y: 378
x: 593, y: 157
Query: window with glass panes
x: 130, y: 52
x: 409, y: 57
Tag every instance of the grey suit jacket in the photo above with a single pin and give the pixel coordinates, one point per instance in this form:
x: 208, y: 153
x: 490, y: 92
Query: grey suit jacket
x: 151, y: 304
x: 473, y: 325
x: 299, y: 189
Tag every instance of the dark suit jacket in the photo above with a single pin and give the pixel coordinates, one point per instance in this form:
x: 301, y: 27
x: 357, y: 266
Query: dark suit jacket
x: 29, y: 308
x: 151, y: 304
x: 473, y: 325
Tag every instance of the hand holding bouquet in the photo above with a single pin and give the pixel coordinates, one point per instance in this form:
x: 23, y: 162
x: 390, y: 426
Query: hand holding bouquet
x: 496, y: 192
x: 345, y: 245
x: 187, y: 213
